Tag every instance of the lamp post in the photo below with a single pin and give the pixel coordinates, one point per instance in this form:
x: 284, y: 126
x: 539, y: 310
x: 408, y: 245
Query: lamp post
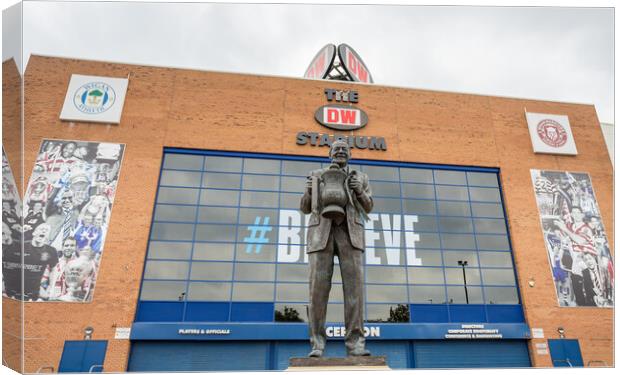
x: 463, y: 264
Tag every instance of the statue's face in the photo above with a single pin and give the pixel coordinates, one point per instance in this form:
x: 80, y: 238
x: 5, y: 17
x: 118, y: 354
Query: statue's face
x: 340, y: 153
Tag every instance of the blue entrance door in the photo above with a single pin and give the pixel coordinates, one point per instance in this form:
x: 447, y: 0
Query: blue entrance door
x: 83, y: 356
x: 565, y: 353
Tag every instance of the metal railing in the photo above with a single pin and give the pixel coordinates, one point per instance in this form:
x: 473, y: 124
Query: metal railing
x: 604, y: 364
x: 45, y: 367
x: 567, y: 361
x: 94, y: 367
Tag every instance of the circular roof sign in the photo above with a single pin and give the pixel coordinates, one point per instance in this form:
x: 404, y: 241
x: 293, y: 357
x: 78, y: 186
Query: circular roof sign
x: 321, y: 63
x: 353, y: 64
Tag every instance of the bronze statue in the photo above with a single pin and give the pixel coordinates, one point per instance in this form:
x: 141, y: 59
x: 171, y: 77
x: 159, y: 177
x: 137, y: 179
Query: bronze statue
x: 339, y: 200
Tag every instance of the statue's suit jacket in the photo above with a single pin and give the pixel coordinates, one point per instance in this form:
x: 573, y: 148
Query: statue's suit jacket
x: 320, y: 227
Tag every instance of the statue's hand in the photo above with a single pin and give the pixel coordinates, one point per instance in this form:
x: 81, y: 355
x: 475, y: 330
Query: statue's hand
x: 309, y: 185
x: 356, y: 185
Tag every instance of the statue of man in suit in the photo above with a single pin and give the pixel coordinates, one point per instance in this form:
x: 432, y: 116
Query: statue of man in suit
x: 343, y: 237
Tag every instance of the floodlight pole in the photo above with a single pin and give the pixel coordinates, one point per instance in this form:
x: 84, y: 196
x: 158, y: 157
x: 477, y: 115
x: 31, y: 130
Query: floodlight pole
x: 463, y: 264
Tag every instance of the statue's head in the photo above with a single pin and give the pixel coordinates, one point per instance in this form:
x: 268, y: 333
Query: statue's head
x: 339, y: 152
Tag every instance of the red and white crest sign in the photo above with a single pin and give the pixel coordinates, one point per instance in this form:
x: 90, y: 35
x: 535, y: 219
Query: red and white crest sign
x: 551, y: 134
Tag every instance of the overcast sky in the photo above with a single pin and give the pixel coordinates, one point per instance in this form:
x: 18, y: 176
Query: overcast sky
x: 550, y: 53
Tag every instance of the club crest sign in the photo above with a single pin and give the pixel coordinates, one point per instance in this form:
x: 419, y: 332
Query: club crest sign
x: 551, y: 134
x: 94, y: 99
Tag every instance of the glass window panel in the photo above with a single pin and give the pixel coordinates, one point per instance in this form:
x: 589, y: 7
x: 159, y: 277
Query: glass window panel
x: 217, y: 215
x: 251, y: 215
x: 386, y: 205
x: 416, y: 175
x: 490, y: 242
x: 179, y: 161
x: 219, y: 197
x: 417, y: 191
x: 451, y: 258
x: 169, y: 250
x: 165, y: 212
x: 261, y: 166
x: 180, y: 178
x: 482, y: 179
x: 487, y: 210
x: 453, y: 208
x: 162, y: 290
x: 498, y: 276
x: 299, y: 168
x: 211, y: 271
x: 484, y: 194
x: 458, y: 193
x: 425, y: 275
x: 253, y: 291
x: 386, y: 293
x: 168, y: 231
x: 335, y: 294
x: 290, y: 201
x: 256, y: 182
x: 457, y: 241
x: 450, y: 177
x: 177, y: 195
x: 455, y: 224
x: 221, y: 180
x: 208, y: 291
x: 250, y: 252
x: 381, y: 313
x: 295, y: 184
x: 427, y: 294
x: 159, y: 269
x: 292, y: 292
x: 501, y: 295
x: 414, y: 206
x: 255, y: 240
x: 335, y: 313
x: 259, y: 199
x: 428, y: 257
x: 456, y: 294
x: 425, y: 224
x: 388, y: 275
x: 385, y: 189
x: 223, y: 164
x: 455, y: 276
x: 490, y: 225
x: 428, y: 241
x: 293, y: 272
x: 385, y: 256
x: 214, y: 232
x: 380, y: 172
x: 495, y: 259
x: 255, y: 271
x: 213, y: 251
x: 290, y: 312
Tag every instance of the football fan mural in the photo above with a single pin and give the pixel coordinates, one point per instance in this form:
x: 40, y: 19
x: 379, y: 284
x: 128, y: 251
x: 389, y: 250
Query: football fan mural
x: 67, y: 209
x: 11, y: 231
x: 579, y: 254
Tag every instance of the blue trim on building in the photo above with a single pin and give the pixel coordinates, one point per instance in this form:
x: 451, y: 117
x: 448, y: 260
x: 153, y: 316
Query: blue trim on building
x: 299, y: 331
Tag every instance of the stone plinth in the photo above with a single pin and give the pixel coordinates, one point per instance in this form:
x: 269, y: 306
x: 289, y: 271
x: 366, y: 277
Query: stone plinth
x: 338, y: 363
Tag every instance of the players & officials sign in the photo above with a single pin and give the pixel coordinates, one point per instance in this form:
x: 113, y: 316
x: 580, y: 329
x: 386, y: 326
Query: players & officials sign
x: 551, y: 134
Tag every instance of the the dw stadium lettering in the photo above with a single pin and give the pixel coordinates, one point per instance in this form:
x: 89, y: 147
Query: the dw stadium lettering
x: 354, y: 141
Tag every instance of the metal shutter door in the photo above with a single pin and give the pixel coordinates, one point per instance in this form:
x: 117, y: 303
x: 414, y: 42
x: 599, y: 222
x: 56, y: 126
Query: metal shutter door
x: 198, y: 356
x: 471, y: 354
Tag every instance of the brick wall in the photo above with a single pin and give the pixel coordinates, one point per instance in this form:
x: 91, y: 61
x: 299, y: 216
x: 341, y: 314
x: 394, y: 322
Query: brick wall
x: 217, y: 111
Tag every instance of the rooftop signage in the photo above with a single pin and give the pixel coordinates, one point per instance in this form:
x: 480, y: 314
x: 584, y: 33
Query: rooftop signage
x: 321, y: 63
x: 353, y: 64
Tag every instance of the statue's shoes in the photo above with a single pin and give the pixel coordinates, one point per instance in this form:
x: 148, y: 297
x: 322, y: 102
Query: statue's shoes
x: 316, y: 353
x: 359, y: 352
